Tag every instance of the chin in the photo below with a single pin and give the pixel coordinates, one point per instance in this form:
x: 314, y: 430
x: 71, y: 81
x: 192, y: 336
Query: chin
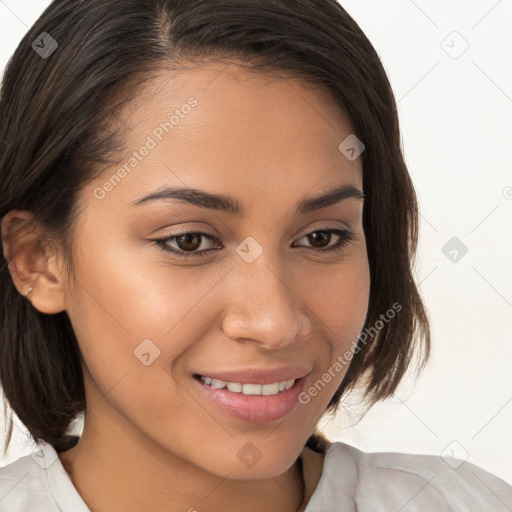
x: 251, y: 460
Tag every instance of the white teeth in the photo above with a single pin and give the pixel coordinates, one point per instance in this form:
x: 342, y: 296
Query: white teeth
x: 250, y: 389
x: 218, y: 384
x: 235, y: 387
x: 270, y: 389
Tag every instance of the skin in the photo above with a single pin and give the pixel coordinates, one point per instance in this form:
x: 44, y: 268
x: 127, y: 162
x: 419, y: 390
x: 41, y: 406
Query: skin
x: 150, y: 442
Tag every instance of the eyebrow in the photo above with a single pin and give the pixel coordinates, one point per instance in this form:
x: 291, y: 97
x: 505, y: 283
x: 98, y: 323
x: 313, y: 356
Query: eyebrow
x: 228, y: 204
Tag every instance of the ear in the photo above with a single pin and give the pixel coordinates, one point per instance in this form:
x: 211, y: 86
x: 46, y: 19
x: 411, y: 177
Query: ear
x: 32, y: 262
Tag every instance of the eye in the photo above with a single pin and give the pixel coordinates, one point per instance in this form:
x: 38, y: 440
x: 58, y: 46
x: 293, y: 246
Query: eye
x: 188, y: 243
x: 323, y: 236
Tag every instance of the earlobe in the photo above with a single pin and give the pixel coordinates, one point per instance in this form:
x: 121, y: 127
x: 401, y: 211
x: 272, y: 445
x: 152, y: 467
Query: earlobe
x: 32, y: 264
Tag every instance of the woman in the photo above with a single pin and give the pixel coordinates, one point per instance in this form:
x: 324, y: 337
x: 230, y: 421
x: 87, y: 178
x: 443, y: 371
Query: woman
x: 204, y: 204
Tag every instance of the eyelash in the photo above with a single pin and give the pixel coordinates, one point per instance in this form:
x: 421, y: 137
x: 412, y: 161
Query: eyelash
x: 346, y: 237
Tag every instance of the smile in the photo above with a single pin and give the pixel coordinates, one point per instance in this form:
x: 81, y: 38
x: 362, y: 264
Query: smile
x: 252, y: 396
x: 249, y: 388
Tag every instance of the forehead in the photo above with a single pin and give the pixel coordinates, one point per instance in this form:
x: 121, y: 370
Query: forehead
x: 223, y: 124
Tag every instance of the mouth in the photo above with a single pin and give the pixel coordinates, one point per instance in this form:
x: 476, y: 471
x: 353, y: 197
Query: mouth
x: 253, y: 398
x: 248, y: 388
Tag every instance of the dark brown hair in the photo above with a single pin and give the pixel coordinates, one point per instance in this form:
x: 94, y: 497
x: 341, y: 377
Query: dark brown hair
x: 57, y: 116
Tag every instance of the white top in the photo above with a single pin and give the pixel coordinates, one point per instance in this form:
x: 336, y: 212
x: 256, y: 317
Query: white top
x: 348, y: 480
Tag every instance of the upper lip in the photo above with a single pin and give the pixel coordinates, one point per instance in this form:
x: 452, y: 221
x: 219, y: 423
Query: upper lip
x: 258, y: 375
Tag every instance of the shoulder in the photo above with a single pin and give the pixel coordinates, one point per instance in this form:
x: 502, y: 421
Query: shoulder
x: 23, y: 483
x: 402, y: 481
x: 38, y: 483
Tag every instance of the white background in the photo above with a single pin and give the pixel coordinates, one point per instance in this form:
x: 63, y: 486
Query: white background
x: 456, y: 123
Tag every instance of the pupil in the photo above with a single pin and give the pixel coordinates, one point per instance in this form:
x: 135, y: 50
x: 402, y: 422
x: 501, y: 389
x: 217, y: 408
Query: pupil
x: 324, y: 236
x: 193, y: 238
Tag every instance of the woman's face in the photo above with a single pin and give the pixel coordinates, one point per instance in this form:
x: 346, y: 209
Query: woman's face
x: 255, y: 303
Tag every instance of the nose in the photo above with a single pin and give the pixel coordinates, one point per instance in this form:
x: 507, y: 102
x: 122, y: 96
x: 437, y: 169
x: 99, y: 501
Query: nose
x: 265, y: 308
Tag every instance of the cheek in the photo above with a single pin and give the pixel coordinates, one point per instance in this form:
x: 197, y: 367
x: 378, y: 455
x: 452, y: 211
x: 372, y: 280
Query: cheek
x: 341, y: 302
x: 123, y: 300
x: 341, y: 312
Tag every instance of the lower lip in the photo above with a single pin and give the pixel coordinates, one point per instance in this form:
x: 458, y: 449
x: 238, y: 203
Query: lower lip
x: 255, y: 408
